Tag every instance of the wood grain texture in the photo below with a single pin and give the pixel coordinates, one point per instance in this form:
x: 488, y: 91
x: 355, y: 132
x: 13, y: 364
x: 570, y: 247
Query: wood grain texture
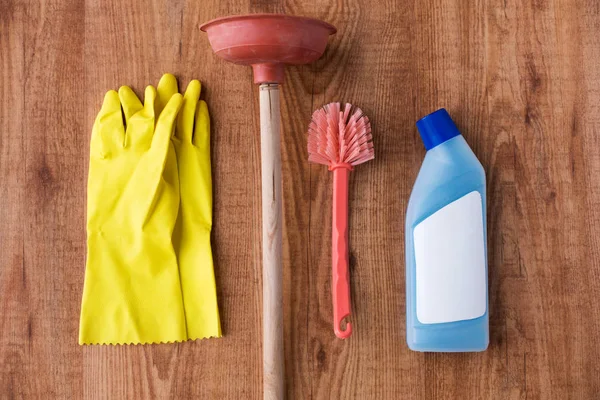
x: 521, y: 79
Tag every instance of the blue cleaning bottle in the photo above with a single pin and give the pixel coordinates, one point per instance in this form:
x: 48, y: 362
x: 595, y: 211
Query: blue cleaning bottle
x: 446, y: 250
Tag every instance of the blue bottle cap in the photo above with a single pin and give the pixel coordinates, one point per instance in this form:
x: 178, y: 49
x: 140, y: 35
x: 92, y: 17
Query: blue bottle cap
x: 436, y: 128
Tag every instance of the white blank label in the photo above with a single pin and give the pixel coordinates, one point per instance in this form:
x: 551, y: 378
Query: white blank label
x: 450, y: 263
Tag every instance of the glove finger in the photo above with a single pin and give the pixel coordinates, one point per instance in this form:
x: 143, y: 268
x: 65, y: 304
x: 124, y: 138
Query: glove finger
x: 108, y: 128
x: 140, y: 125
x: 203, y: 181
x: 185, y: 119
x: 167, y: 87
x: 166, y: 122
x: 202, y: 127
x: 130, y: 102
x: 150, y: 102
x: 110, y: 113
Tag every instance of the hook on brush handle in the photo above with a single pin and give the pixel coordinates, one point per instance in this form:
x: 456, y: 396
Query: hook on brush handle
x: 339, y: 252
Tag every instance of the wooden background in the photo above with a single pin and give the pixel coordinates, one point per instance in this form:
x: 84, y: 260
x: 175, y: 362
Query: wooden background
x: 521, y: 79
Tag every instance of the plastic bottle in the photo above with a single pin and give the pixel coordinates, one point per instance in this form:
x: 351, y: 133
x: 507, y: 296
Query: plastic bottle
x: 446, y: 250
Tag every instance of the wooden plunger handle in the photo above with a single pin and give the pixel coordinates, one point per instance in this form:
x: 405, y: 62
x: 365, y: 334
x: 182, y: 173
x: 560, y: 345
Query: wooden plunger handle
x: 270, y: 127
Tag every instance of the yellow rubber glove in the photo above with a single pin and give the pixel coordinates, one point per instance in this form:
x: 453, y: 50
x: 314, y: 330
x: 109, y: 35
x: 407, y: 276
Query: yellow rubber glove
x: 132, y: 292
x: 191, y: 238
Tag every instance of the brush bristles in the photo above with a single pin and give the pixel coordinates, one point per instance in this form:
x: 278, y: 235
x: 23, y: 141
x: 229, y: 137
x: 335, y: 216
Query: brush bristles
x: 339, y: 137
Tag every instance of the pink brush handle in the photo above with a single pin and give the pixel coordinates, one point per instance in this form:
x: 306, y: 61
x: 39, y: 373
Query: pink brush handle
x: 339, y: 251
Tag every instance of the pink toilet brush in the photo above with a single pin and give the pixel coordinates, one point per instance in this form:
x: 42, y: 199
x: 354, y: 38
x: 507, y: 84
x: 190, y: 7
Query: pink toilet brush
x: 340, y: 140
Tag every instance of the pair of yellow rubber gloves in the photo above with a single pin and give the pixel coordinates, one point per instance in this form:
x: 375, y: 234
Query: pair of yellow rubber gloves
x: 149, y: 274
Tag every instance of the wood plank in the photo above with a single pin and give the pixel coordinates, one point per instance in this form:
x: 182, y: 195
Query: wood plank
x: 54, y: 196
x: 15, y: 317
x: 42, y: 211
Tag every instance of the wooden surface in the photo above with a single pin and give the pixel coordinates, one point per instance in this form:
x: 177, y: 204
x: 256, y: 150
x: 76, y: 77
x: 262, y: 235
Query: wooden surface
x: 521, y: 79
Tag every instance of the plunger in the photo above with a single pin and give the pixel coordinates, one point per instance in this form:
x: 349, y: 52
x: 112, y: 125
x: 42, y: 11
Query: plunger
x: 268, y: 42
